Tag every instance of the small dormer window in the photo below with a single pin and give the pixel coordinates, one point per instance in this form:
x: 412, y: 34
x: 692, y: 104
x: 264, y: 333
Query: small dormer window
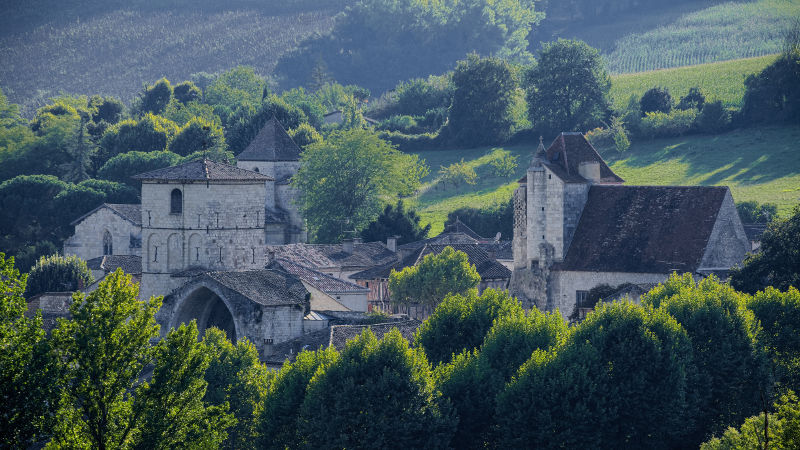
x: 176, y: 202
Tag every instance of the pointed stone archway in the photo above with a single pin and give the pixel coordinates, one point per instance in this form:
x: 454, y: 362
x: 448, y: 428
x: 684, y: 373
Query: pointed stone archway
x: 209, y: 309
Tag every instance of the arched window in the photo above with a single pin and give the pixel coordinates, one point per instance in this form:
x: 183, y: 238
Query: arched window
x: 108, y: 248
x: 176, y: 202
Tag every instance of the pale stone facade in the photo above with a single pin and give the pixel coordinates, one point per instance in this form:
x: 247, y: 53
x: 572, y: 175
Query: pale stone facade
x: 576, y: 227
x: 109, y: 229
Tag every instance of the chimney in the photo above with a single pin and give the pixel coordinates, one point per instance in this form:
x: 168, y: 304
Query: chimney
x: 347, y: 245
x: 391, y: 243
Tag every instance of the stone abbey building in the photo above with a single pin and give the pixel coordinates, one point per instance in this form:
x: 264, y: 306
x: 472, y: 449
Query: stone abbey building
x: 577, y: 226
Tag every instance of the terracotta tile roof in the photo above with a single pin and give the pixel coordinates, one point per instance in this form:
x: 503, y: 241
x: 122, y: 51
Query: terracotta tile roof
x: 205, y: 170
x: 487, y: 267
x: 319, y: 256
x: 130, y: 212
x: 130, y: 264
x: 644, y: 229
x: 272, y: 143
x: 319, y: 280
x: 264, y: 286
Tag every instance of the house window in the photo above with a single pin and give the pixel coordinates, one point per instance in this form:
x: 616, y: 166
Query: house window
x: 176, y: 202
x: 108, y: 248
x: 580, y: 298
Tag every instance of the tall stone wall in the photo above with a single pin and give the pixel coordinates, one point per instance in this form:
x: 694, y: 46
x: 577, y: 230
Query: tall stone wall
x: 87, y: 242
x: 520, y: 239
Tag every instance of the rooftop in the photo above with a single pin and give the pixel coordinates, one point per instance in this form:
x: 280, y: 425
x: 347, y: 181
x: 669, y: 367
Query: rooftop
x: 205, y: 170
x: 267, y: 287
x: 130, y: 264
x: 272, y: 143
x: 321, y: 256
x: 567, y: 152
x: 319, y: 280
x: 128, y: 211
x: 644, y: 229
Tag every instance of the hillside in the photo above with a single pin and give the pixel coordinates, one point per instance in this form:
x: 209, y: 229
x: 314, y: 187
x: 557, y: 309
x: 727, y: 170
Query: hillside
x: 720, y: 81
x: 758, y: 164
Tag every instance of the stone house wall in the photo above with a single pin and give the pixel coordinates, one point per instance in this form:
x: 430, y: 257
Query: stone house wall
x: 87, y: 242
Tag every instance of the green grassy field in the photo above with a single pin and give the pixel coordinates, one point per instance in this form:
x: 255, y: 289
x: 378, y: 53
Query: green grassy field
x: 761, y: 164
x: 721, y: 32
x: 720, y: 81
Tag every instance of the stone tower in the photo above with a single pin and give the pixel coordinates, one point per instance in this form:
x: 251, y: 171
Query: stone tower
x: 273, y: 153
x: 200, y: 215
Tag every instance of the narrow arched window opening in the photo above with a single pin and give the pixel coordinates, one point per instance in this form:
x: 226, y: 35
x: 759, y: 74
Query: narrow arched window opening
x: 108, y: 248
x: 176, y: 202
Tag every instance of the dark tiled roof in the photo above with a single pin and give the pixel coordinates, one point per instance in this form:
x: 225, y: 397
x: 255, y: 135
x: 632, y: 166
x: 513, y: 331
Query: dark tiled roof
x: 205, y: 170
x: 130, y: 212
x: 318, y: 256
x: 644, y: 229
x: 444, y: 238
x: 565, y: 155
x: 319, y: 280
x: 266, y: 286
x: 754, y: 231
x: 336, y: 336
x: 461, y: 227
x: 272, y: 143
x: 487, y: 267
x: 130, y: 264
x: 569, y: 150
x: 501, y: 249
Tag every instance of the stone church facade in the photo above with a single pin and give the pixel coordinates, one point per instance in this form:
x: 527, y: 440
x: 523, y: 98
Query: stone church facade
x: 577, y: 226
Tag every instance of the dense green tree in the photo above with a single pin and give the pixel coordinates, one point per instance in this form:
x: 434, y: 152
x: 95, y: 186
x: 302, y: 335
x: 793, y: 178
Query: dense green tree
x: 473, y: 380
x: 621, y: 379
x: 567, y: 90
x: 754, y: 212
x: 106, y: 348
x: 247, y: 121
x: 396, y: 221
x: 461, y: 322
x: 181, y: 113
x: 434, y: 278
x: 148, y: 134
x: 237, y: 88
x: 29, y: 372
x: 733, y: 375
x: 713, y: 118
x: 106, y: 109
x: 187, y: 92
x: 483, y: 95
x: 58, y: 273
x: 457, y: 173
x: 198, y: 135
x: 28, y: 208
x: 278, y: 419
x: 73, y: 202
x: 779, y: 315
x: 418, y: 96
x: 305, y: 135
x: 125, y: 165
x: 113, y: 192
x: 693, y: 99
x: 155, y: 97
x: 486, y: 221
x: 9, y: 113
x: 236, y: 376
x: 656, y: 99
x: 778, y: 261
x: 376, y: 394
x: 308, y: 102
x: 783, y: 429
x: 358, y: 172
x: 774, y: 94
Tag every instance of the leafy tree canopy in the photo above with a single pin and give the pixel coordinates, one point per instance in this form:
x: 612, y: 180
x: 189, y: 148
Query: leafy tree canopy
x: 155, y: 97
x: 567, y: 89
x: 461, y: 322
x: 58, y: 273
x: 125, y: 165
x: 187, y: 92
x: 358, y: 172
x: 656, y: 99
x: 778, y: 261
x: 778, y: 313
x: 198, y: 135
x: 434, y: 278
x: 396, y: 221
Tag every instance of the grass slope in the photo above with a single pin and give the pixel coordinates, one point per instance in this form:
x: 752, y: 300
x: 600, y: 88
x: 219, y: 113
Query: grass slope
x: 722, y: 32
x: 761, y: 164
x: 115, y: 52
x: 720, y: 81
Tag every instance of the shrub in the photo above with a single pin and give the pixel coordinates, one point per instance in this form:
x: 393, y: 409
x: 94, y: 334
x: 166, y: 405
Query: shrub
x: 713, y: 118
x: 187, y: 92
x: 487, y: 221
x: 656, y: 99
x: 412, y: 142
x: 156, y: 97
x: 404, y: 124
x: 457, y: 173
x: 675, y: 123
x: 693, y: 99
x: 305, y: 135
x: 754, y: 212
x: 58, y: 274
x: 504, y: 164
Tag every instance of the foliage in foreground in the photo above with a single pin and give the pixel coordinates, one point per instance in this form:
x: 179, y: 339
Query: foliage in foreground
x: 58, y: 273
x: 782, y: 429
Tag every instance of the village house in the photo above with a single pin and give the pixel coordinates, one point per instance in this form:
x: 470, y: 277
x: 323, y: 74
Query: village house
x: 577, y: 226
